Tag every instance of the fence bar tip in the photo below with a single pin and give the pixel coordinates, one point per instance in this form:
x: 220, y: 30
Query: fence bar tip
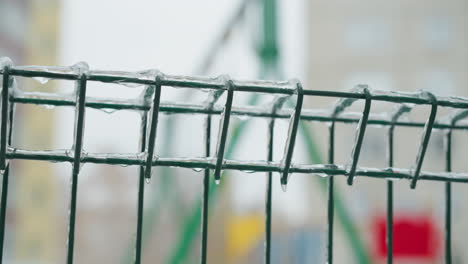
x: 424, y: 139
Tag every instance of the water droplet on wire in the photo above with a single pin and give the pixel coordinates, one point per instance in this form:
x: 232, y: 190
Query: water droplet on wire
x: 284, y: 187
x: 243, y: 117
x: 49, y: 107
x: 41, y: 80
x: 108, y: 110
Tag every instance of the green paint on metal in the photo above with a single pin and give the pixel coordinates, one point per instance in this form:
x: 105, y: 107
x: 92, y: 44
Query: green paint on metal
x: 78, y: 142
x: 225, y: 117
x: 206, y: 194
x: 331, y: 195
x: 360, y: 137
x: 390, y: 200
x: 425, y: 140
x: 141, y: 197
x: 268, y: 49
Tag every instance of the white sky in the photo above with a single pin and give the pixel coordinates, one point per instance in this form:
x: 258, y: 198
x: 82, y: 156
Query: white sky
x: 173, y: 37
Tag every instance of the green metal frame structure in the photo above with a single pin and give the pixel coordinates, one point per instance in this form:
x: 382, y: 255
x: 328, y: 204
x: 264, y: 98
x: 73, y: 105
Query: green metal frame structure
x: 150, y: 106
x: 268, y: 55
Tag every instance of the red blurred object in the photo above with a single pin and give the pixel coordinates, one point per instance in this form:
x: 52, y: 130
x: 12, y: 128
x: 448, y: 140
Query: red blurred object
x: 414, y: 237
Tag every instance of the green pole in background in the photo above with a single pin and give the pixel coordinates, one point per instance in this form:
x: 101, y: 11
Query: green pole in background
x: 268, y: 53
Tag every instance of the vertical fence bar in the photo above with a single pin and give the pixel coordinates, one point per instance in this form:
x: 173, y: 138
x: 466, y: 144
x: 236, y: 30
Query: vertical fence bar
x: 78, y: 141
x: 425, y: 140
x: 461, y: 114
x: 141, y: 192
x: 269, y: 193
x: 390, y: 199
x: 5, y: 89
x: 214, y: 96
x: 144, y: 172
x: 292, y: 132
x: 224, y: 126
x: 360, y: 137
x: 4, y: 124
x: 404, y: 108
x: 153, y: 127
x: 331, y: 201
x: 206, y: 193
x: 448, y: 199
x: 277, y: 104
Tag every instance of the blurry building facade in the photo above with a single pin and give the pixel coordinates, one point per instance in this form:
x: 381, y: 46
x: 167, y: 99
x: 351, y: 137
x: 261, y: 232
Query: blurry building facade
x: 400, y: 46
x: 13, y: 16
x: 29, y: 35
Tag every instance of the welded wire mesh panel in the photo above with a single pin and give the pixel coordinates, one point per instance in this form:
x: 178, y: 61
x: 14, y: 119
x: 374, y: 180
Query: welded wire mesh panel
x: 289, y: 97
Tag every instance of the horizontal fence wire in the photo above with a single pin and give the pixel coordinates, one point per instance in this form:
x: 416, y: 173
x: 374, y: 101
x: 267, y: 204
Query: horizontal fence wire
x: 150, y: 105
x: 218, y: 84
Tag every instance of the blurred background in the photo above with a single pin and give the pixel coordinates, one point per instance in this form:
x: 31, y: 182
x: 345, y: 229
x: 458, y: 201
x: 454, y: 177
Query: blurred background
x: 328, y: 45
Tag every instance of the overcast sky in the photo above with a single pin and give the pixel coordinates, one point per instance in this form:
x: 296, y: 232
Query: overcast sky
x: 172, y: 36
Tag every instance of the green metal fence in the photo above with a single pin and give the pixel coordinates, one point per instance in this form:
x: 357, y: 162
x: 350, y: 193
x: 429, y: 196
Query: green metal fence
x: 150, y: 106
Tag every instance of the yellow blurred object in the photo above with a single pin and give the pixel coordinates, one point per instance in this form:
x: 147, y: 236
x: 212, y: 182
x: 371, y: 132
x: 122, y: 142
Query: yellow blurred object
x: 38, y: 237
x: 243, y: 234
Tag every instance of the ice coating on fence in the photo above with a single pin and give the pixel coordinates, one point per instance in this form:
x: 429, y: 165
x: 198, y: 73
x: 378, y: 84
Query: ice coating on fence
x: 5, y: 61
x: 217, y: 86
x: 425, y: 137
x: 344, y: 103
x: 149, y: 105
